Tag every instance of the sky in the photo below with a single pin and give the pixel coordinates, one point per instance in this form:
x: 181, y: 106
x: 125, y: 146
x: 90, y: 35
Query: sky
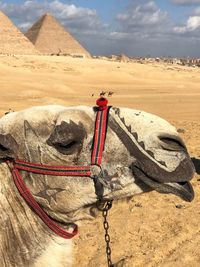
x: 133, y: 27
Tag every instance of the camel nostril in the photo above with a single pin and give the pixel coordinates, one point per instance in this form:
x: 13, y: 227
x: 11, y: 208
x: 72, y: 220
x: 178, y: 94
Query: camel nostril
x: 3, y: 148
x: 172, y: 143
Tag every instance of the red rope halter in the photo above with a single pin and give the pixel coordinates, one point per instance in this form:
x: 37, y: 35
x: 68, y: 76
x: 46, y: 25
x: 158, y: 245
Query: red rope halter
x: 85, y: 171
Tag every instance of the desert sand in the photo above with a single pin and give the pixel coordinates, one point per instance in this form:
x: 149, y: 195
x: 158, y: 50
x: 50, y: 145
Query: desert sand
x: 148, y: 230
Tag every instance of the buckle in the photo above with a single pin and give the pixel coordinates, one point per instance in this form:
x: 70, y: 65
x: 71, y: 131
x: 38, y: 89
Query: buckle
x: 97, y: 173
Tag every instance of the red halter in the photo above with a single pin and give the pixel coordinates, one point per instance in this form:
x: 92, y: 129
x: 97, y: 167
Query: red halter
x: 98, y: 147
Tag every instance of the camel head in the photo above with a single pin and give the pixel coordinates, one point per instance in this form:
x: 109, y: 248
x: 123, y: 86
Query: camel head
x: 142, y: 152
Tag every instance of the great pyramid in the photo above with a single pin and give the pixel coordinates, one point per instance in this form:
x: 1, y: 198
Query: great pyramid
x: 12, y: 41
x: 50, y: 37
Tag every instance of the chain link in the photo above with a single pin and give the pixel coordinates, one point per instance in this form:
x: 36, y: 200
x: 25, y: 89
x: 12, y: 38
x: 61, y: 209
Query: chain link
x: 105, y: 210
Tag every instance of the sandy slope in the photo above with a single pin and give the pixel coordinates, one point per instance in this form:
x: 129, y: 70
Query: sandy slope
x: 149, y: 230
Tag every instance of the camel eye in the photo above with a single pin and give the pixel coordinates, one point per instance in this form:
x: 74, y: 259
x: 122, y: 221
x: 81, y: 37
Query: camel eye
x: 3, y: 148
x: 67, y: 148
x: 67, y: 138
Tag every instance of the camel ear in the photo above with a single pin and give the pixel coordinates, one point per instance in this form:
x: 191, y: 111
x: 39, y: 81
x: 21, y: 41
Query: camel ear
x: 7, y: 146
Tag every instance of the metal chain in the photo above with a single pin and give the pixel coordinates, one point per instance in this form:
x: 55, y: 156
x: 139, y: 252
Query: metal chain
x: 105, y: 209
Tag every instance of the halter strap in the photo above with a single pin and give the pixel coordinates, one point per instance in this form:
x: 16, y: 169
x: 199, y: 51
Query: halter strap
x: 53, y: 170
x: 83, y: 171
x: 99, y: 136
x: 26, y: 194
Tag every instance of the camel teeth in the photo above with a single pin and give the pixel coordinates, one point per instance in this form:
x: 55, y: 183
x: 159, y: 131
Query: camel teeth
x: 142, y: 144
x: 162, y: 163
x: 150, y: 153
x: 123, y: 120
x: 116, y: 111
x: 129, y: 128
x: 135, y: 135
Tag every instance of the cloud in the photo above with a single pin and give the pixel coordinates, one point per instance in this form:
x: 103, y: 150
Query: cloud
x: 142, y: 21
x: 196, y: 11
x: 192, y: 25
x: 150, y: 30
x: 142, y: 15
x: 77, y: 19
x: 185, y: 2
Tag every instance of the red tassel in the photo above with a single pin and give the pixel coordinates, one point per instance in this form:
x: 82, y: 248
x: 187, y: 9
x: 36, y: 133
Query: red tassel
x: 102, y: 103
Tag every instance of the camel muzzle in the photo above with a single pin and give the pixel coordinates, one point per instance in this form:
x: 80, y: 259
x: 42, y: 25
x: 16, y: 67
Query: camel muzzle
x: 182, y: 189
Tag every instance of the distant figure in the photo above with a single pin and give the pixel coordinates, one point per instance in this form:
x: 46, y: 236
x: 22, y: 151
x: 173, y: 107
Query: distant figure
x: 9, y: 111
x: 102, y: 93
x: 110, y: 93
x: 59, y: 52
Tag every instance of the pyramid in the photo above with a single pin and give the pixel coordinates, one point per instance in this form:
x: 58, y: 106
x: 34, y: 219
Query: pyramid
x: 12, y: 41
x: 50, y: 38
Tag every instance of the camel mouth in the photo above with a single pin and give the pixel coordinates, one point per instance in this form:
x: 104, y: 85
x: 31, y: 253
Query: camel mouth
x: 182, y: 189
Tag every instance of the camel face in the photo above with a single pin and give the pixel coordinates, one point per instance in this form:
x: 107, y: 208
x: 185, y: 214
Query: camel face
x: 159, y: 156
x: 142, y: 152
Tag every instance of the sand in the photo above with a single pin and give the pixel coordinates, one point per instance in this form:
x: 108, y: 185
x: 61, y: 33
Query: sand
x: 150, y: 229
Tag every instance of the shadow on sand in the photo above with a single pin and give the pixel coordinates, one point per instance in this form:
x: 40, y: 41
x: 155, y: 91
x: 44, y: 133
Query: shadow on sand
x: 196, y: 163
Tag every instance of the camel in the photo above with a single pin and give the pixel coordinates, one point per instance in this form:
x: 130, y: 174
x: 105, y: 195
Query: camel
x: 142, y: 153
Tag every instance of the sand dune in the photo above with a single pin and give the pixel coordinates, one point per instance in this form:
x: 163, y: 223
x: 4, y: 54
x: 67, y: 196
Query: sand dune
x: 171, y: 93
x: 152, y: 229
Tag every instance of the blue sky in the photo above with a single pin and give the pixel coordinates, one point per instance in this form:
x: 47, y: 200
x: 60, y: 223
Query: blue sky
x: 133, y: 27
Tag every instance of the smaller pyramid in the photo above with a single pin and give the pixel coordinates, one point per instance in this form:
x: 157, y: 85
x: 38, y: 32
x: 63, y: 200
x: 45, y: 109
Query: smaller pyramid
x: 12, y: 41
x: 50, y: 38
x: 123, y: 58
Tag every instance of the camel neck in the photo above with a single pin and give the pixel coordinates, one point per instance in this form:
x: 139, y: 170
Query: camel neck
x: 24, y: 240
